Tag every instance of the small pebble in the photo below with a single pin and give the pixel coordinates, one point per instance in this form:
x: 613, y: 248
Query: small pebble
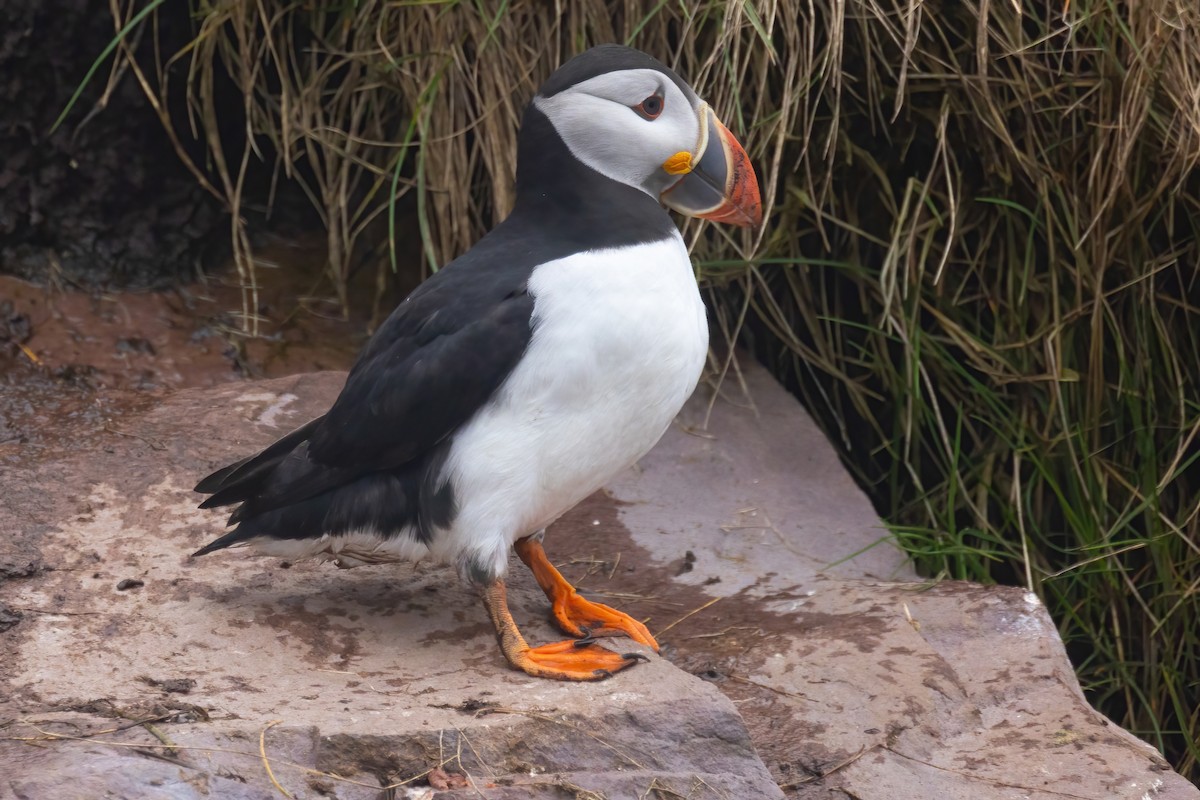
x: 130, y: 583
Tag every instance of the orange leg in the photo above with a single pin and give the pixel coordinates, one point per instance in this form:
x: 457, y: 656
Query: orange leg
x: 573, y: 614
x: 564, y: 661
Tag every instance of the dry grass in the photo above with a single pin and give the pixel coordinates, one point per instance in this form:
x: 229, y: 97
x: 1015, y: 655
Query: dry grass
x: 979, y: 267
x: 365, y: 103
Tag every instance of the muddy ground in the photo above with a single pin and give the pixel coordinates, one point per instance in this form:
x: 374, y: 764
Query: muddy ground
x: 73, y: 360
x: 75, y: 363
x: 850, y: 683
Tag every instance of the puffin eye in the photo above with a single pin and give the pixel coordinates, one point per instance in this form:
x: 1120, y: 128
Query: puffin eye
x: 650, y: 108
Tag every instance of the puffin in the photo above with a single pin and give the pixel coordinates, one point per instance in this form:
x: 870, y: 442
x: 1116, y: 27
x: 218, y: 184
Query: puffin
x: 528, y: 372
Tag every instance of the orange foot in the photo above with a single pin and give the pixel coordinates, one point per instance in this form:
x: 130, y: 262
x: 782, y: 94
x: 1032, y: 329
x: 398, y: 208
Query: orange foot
x: 572, y: 661
x: 564, y: 661
x: 573, y: 614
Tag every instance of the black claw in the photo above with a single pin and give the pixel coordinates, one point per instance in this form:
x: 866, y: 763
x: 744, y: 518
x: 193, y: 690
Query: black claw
x: 602, y: 673
x: 635, y: 657
x: 586, y: 640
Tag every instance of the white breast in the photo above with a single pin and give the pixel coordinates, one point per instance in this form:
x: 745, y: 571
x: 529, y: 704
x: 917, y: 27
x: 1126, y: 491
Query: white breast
x: 619, y: 342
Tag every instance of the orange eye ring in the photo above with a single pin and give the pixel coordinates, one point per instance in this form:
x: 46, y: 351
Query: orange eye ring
x: 650, y: 108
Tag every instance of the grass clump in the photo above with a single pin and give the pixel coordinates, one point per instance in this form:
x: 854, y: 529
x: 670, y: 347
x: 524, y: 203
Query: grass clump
x: 1002, y: 332
x: 979, y: 267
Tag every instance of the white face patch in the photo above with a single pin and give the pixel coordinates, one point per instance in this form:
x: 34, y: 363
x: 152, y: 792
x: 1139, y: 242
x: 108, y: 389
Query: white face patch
x: 597, y: 121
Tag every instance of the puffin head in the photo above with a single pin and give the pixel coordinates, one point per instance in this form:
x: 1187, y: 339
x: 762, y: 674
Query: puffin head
x: 630, y: 118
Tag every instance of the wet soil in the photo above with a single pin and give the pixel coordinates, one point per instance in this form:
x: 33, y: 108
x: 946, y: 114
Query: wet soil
x: 74, y: 362
x: 723, y: 642
x: 102, y: 198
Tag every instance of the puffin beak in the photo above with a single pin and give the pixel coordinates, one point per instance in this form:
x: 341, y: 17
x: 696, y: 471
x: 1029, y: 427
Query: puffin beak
x: 717, y: 182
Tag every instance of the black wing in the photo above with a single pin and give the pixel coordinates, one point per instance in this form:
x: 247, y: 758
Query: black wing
x: 430, y: 367
x: 436, y: 360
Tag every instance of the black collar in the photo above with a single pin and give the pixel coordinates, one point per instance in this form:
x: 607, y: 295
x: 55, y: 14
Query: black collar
x: 562, y: 200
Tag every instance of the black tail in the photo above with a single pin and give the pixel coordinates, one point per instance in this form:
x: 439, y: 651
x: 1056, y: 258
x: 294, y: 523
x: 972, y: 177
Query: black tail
x: 233, y: 537
x: 243, y: 479
x: 280, y: 475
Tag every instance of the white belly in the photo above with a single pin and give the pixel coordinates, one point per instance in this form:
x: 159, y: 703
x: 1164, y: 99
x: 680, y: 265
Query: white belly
x: 619, y: 342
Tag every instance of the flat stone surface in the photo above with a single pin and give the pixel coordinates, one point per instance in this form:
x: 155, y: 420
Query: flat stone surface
x: 740, y: 538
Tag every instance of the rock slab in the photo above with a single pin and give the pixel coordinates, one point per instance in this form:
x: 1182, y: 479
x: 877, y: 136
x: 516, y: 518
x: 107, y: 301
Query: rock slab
x: 801, y: 656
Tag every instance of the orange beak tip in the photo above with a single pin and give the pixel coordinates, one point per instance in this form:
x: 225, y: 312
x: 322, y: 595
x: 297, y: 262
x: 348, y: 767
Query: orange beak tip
x: 743, y: 202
